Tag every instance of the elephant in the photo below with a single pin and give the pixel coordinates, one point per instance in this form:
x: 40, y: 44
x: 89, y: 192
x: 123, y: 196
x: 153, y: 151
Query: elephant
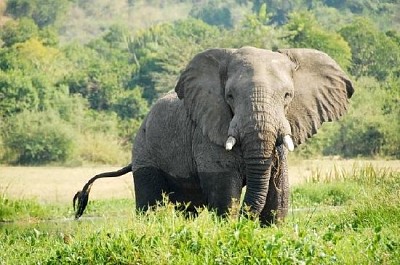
x: 229, y: 123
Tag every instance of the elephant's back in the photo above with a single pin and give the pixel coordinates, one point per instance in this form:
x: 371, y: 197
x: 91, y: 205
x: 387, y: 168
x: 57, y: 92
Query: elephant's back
x: 166, y: 112
x: 164, y: 139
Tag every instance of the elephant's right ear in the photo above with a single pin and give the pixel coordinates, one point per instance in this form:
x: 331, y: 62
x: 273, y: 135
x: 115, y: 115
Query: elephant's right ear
x: 202, y: 88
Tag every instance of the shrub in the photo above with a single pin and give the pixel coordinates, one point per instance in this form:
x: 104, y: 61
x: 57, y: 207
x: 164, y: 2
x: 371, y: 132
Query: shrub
x: 102, y: 148
x: 371, y: 127
x: 213, y: 14
x: 304, y: 31
x: 37, y: 138
x: 373, y: 52
x: 2, y: 153
x: 130, y: 104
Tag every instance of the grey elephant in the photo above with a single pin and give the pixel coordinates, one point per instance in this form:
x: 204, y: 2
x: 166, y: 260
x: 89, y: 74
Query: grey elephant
x: 228, y: 124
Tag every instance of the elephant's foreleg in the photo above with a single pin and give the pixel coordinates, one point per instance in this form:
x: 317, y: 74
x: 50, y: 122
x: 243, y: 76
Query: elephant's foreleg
x: 221, y: 190
x: 150, y: 185
x: 276, y: 206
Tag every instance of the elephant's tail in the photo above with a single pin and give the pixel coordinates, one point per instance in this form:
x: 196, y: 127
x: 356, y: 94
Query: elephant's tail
x: 83, y: 195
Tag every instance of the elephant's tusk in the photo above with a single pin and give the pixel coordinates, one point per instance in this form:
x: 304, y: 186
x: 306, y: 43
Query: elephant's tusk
x: 230, y: 142
x: 288, y: 142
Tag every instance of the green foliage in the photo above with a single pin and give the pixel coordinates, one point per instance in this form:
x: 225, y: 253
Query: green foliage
x: 164, y: 50
x: 103, y: 71
x: 305, y: 32
x: 336, y: 194
x: 20, y: 209
x: 213, y: 14
x: 373, y: 52
x: 364, y: 230
x: 17, y: 93
x: 21, y: 30
x: 90, y: 19
x: 371, y: 126
x: 118, y: 69
x: 43, y: 12
x: 358, y: 7
x: 18, y: 31
x: 131, y: 105
x: 280, y: 10
x: 37, y: 138
x: 28, y: 75
x: 254, y: 30
x: 100, y: 148
x: 100, y: 139
x: 331, y: 18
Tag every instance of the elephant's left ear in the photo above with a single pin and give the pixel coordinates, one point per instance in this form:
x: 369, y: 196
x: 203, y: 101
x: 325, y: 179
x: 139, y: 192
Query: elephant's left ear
x: 321, y: 92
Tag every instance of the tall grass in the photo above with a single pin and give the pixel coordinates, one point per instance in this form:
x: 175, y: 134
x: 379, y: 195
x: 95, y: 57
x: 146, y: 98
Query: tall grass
x: 345, y: 217
x: 102, y: 149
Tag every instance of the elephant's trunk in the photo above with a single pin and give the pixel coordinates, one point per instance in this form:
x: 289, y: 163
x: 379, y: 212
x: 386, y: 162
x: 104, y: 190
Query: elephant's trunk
x: 258, y: 148
x: 258, y: 138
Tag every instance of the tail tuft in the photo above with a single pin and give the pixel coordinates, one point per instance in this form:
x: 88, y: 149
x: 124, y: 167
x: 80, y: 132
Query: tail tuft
x: 81, y: 199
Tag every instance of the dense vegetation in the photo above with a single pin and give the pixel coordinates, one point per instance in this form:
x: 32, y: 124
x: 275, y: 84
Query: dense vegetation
x: 77, y: 77
x: 347, y: 217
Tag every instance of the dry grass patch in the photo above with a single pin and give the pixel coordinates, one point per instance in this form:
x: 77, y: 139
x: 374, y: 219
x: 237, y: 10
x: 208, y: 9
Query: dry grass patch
x: 59, y: 184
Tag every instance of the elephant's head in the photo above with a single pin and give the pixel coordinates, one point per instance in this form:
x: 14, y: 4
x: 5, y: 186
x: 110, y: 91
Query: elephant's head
x: 258, y: 99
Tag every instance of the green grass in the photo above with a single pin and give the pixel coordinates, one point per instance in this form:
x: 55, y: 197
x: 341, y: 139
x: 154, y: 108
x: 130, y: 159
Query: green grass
x: 344, y: 218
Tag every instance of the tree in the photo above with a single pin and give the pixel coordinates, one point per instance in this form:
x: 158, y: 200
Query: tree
x: 279, y: 10
x: 163, y: 50
x: 102, y: 70
x: 305, y: 32
x: 37, y: 138
x: 17, y: 93
x: 18, y: 31
x: 371, y: 126
x: 130, y: 105
x: 21, y: 30
x: 373, y: 52
x: 29, y: 72
x: 43, y: 12
x: 254, y: 30
x: 213, y: 14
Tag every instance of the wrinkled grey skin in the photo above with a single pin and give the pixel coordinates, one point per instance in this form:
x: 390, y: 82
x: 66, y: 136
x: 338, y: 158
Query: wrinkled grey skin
x: 255, y: 95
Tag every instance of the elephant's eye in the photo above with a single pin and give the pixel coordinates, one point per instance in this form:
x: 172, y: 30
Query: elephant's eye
x: 287, y: 96
x: 229, y: 96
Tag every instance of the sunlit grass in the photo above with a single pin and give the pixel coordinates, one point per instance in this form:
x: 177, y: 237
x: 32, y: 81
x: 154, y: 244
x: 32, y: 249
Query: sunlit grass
x: 347, y: 217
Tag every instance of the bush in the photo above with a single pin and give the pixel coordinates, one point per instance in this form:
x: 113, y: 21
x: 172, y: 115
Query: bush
x: 102, y: 148
x: 371, y: 127
x: 373, y: 52
x: 304, y: 31
x: 102, y: 140
x: 37, y: 138
x: 2, y: 153
x: 130, y: 105
x: 213, y: 14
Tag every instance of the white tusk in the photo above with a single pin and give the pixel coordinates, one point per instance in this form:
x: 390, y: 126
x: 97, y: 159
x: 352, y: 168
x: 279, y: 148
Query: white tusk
x: 230, y: 142
x: 288, y: 142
